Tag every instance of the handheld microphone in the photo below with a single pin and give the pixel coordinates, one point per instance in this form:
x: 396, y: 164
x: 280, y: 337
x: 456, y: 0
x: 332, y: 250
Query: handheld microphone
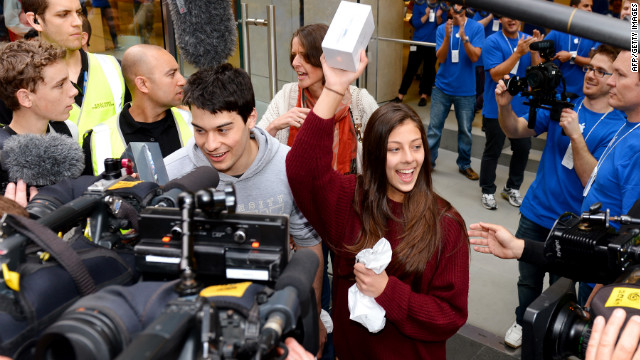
x: 204, y: 46
x: 293, y: 292
x: 41, y: 159
x: 202, y: 177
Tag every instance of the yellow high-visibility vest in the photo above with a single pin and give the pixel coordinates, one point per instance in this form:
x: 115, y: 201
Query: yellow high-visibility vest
x: 103, y: 94
x: 107, y: 140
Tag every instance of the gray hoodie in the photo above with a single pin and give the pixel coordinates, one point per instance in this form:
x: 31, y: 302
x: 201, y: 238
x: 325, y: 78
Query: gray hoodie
x: 262, y: 189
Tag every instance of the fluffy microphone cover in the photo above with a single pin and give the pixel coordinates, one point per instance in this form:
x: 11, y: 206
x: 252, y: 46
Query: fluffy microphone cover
x: 42, y: 159
x: 205, y: 30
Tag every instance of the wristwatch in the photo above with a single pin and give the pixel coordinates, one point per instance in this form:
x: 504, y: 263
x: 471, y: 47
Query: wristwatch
x: 465, y: 40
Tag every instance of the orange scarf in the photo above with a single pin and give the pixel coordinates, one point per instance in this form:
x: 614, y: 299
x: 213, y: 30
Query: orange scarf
x: 344, y: 134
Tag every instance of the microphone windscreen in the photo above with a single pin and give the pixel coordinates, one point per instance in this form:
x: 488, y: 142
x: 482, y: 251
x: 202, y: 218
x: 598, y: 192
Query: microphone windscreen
x: 300, y: 273
x: 202, y: 177
x: 42, y: 159
x: 205, y: 30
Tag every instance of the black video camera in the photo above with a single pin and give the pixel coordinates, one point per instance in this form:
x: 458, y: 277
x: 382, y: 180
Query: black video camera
x: 540, y: 83
x: 554, y: 325
x: 205, y: 243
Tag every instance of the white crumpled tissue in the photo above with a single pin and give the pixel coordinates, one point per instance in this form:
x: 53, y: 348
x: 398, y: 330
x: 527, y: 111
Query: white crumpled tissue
x: 364, y: 309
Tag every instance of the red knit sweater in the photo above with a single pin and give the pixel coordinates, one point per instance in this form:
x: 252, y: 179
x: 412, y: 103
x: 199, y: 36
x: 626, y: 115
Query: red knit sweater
x: 418, y: 324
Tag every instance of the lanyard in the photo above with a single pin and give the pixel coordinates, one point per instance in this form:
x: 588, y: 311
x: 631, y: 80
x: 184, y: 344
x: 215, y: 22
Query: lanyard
x: 594, y: 126
x: 579, y: 41
x: 508, y: 43
x: 606, y: 153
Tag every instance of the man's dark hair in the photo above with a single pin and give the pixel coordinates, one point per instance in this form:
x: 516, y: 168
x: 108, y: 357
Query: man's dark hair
x: 86, y: 27
x: 37, y: 7
x: 222, y: 88
x: 575, y: 3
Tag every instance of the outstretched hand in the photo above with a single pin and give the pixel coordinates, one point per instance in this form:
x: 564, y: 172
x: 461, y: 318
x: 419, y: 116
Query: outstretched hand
x: 496, y: 240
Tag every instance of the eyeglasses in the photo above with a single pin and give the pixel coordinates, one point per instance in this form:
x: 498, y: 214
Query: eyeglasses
x: 599, y: 73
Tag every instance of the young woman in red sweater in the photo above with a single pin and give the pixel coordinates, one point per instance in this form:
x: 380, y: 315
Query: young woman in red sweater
x: 425, y: 287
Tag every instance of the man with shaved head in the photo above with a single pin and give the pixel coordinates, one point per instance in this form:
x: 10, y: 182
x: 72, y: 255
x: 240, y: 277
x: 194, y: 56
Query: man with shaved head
x: 152, y: 76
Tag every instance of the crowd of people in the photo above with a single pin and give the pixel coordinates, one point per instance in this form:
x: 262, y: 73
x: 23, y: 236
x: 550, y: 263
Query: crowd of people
x: 348, y: 172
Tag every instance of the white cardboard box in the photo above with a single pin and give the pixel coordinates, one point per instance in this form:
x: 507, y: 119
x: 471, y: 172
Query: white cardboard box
x: 349, y: 33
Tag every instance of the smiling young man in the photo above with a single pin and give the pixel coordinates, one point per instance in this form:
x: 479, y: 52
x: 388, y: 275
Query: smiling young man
x: 565, y: 166
x: 36, y: 88
x: 224, y: 116
x: 156, y: 85
x: 97, y: 77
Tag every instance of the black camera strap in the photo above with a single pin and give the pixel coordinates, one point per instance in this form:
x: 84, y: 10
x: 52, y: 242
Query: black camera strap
x: 58, y: 248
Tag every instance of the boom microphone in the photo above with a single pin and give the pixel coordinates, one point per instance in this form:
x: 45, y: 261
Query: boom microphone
x: 205, y: 30
x: 202, y: 177
x: 41, y: 159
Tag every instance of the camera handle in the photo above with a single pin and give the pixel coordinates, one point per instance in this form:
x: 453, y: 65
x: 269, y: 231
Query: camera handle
x: 188, y: 284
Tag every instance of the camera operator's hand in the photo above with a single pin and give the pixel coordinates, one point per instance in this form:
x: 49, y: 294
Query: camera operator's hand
x: 18, y: 192
x: 296, y: 351
x: 563, y: 56
x: 293, y: 117
x: 503, y: 98
x: 496, y: 240
x: 368, y: 282
x: 570, y: 124
x: 602, y: 343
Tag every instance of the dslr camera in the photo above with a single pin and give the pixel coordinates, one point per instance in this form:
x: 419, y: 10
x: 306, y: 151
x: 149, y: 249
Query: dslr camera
x: 540, y: 84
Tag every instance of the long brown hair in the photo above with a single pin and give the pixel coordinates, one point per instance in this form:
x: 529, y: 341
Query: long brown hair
x: 310, y: 37
x: 422, y: 207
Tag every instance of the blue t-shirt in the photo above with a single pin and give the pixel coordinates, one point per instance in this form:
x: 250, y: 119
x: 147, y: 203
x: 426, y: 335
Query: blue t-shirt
x: 556, y: 188
x: 488, y: 31
x: 427, y: 31
x: 617, y: 184
x: 498, y: 48
x: 458, y: 79
x: 572, y: 73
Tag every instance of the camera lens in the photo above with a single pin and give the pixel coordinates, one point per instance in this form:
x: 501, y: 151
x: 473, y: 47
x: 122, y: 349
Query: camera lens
x: 82, y: 334
x: 570, y: 332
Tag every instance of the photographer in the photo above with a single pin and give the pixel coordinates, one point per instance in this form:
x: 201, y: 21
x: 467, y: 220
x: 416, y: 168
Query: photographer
x: 564, y: 167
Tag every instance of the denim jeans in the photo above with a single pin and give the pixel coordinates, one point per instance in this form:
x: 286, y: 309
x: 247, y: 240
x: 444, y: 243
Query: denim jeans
x: 531, y: 276
x: 492, y: 150
x: 440, y: 106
